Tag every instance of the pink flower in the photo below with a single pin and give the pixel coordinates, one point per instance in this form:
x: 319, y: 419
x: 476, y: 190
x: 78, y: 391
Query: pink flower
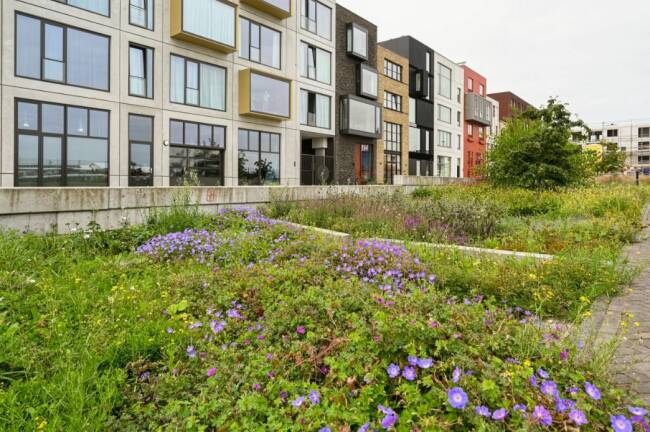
x: 212, y: 372
x: 564, y: 355
x: 300, y: 330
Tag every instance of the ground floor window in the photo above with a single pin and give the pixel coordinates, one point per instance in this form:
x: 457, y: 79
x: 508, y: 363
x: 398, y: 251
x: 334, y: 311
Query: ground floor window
x: 259, y: 158
x: 444, y: 166
x: 420, y: 167
x: 196, y: 153
x: 60, y: 145
x: 392, y: 166
x: 140, y: 150
x: 392, y: 151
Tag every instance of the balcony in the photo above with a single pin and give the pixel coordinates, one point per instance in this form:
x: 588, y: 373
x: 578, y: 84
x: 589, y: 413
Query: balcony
x: 264, y: 96
x: 478, y: 109
x: 209, y: 23
x: 360, y: 117
x: 280, y: 9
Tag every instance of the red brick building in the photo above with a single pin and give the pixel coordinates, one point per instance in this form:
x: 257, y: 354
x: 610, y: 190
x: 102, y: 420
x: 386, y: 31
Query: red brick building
x: 478, y: 118
x: 509, y: 104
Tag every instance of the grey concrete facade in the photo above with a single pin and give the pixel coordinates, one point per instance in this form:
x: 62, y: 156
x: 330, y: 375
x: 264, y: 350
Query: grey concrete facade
x: 120, y: 104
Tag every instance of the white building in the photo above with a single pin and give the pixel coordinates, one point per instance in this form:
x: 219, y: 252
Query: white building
x: 497, y: 125
x: 632, y: 137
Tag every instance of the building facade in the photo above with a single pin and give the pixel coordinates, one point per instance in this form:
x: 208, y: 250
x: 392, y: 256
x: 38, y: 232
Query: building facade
x: 509, y: 104
x: 478, y: 122
x: 139, y: 93
x: 497, y: 125
x: 393, y: 148
x: 358, y: 112
x: 632, y: 137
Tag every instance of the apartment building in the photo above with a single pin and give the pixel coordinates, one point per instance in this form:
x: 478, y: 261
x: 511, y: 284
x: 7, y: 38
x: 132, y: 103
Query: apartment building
x: 509, y: 104
x: 436, y: 106
x: 478, y: 122
x: 358, y: 112
x: 632, y: 137
x: 497, y: 124
x: 393, y: 148
x: 150, y: 93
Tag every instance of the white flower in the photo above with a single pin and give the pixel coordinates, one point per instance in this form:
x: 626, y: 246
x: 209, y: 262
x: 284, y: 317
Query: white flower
x: 86, y: 236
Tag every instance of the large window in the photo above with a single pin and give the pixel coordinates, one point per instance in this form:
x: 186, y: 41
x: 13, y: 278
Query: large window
x: 444, y: 166
x: 52, y: 52
x: 444, y: 114
x: 97, y: 6
x: 141, y: 13
x: 140, y: 71
x: 198, y: 84
x: 444, y: 139
x: 140, y: 150
x: 315, y: 109
x: 316, y: 18
x: 259, y: 158
x: 270, y: 96
x: 392, y: 70
x: 214, y: 20
x: 315, y: 63
x: 412, y: 111
x: 368, y: 81
x: 644, y: 132
x: 260, y: 44
x: 357, y: 41
x: 196, y: 153
x: 612, y: 133
x: 415, y: 142
x: 360, y: 117
x: 59, y: 145
x: 392, y: 151
x: 444, y: 81
x: 392, y: 101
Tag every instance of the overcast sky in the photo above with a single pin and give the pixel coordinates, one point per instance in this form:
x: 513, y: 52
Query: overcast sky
x: 593, y: 54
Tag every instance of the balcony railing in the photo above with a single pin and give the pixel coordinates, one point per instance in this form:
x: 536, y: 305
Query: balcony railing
x: 278, y: 8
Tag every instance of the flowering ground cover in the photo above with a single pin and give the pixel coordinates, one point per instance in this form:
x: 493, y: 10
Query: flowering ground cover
x: 236, y: 322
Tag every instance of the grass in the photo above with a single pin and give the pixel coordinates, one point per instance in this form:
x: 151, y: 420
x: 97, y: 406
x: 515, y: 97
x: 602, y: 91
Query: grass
x: 99, y: 336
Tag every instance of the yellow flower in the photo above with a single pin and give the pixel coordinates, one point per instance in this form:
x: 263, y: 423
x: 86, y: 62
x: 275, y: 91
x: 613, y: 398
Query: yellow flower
x: 584, y: 299
x: 527, y: 363
x: 637, y: 324
x: 587, y: 314
x: 42, y: 425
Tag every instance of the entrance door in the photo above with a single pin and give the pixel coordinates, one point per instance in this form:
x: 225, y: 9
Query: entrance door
x: 363, y: 163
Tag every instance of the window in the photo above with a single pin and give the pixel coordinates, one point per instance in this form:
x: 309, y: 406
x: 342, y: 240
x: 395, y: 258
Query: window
x: 470, y: 85
x: 214, y: 20
x: 392, y: 151
x: 392, y: 101
x: 260, y: 44
x: 365, y: 170
x: 140, y: 150
x: 368, y: 81
x: 49, y: 51
x: 612, y: 133
x: 357, y: 41
x: 481, y: 90
x: 196, y: 150
x: 644, y: 160
x: 458, y: 118
x: 444, y: 139
x: 422, y: 84
x: 60, y: 145
x: 459, y: 142
x: 315, y: 109
x: 269, y: 95
x: 100, y: 7
x: 412, y: 111
x: 444, y: 81
x: 444, y: 166
x: 392, y: 70
x: 470, y: 130
x: 427, y: 65
x: 459, y: 95
x: 643, y: 146
x: 316, y: 63
x: 415, y: 142
x: 444, y: 114
x: 259, y: 158
x: 360, y: 117
x: 141, y: 13
x: 644, y: 132
x: 198, y: 84
x: 316, y: 18
x: 140, y: 71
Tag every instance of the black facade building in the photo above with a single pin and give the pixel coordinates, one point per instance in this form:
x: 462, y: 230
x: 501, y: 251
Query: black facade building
x: 421, y: 111
x: 358, y: 114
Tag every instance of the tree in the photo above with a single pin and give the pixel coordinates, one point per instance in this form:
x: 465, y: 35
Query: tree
x: 534, y: 150
x: 612, y: 159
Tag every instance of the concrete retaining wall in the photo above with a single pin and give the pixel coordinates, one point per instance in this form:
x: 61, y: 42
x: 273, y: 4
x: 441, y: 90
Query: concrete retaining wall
x: 403, y: 180
x: 47, y: 209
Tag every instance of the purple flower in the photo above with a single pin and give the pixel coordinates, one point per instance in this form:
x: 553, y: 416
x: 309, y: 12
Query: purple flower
x: 212, y: 372
x: 483, y: 411
x: 543, y: 374
x: 145, y: 375
x: 257, y: 387
x: 592, y: 391
x: 298, y: 401
x: 564, y: 405
x: 325, y: 429
x: 521, y: 408
x: 191, y: 352
x: 413, y: 360
x: 217, y: 326
x: 637, y: 411
x: 542, y: 416
x: 390, y: 417
x: 364, y: 427
x: 314, y: 397
x: 195, y: 325
x: 621, y: 424
x: 573, y: 390
x: 425, y: 363
x: 578, y: 417
x: 456, y: 375
x: 564, y: 355
x: 393, y: 370
x: 457, y: 398
x: 549, y: 388
x: 170, y: 330
x: 300, y: 330
x: 409, y: 373
x: 533, y: 381
x: 269, y: 356
x: 500, y: 414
